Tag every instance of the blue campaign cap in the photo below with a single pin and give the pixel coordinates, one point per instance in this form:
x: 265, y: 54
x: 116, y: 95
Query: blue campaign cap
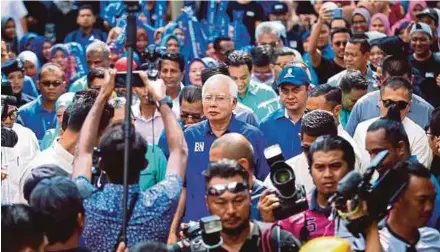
x: 12, y: 65
x: 293, y: 75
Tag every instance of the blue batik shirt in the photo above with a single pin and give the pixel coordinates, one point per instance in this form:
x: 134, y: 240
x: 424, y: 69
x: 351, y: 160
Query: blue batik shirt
x: 150, y: 220
x: 199, y: 138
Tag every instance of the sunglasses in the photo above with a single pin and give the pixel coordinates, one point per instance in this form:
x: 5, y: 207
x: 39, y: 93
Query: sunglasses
x: 234, y: 187
x: 339, y: 43
x: 401, y: 105
x: 191, y: 116
x: 49, y: 83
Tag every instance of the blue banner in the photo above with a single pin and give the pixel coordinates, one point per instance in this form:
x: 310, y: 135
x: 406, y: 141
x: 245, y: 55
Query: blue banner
x: 241, y: 35
x: 160, y: 11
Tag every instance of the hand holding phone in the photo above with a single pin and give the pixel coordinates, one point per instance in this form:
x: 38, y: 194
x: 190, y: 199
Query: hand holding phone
x: 336, y: 13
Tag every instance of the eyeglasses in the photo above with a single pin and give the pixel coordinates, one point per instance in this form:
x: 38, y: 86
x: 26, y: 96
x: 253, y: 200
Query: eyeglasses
x: 234, y: 187
x: 53, y: 83
x: 216, y: 99
x: 12, y: 115
x: 188, y: 116
x: 271, y: 44
x: 339, y: 43
x: 401, y: 105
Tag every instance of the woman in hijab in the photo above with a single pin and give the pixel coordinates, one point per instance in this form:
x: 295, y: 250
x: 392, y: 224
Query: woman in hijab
x: 173, y: 28
x: 379, y: 22
x: 59, y: 54
x: 172, y: 43
x: 31, y: 64
x: 141, y: 40
x: 376, y: 54
x: 194, y: 72
x: 360, y: 19
x: 414, y: 7
x: 9, y: 34
x: 60, y: 106
x: 26, y: 41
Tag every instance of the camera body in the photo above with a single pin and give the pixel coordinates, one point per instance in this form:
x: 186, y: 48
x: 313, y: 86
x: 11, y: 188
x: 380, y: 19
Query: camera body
x: 152, y: 56
x: 202, y: 236
x: 292, y: 197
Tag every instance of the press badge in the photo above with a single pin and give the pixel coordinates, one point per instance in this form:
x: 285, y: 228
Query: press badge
x: 429, y: 75
x: 250, y: 13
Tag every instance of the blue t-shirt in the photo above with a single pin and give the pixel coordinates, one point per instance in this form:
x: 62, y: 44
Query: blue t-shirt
x: 199, y: 138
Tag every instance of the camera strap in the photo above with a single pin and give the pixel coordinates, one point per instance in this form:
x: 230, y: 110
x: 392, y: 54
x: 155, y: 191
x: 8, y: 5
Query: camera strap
x: 128, y: 217
x: 266, y: 234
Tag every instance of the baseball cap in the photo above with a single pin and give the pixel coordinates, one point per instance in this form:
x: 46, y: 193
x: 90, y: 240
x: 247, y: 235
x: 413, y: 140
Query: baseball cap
x: 279, y: 8
x: 39, y: 173
x: 12, y: 65
x: 293, y: 75
x: 121, y: 64
x: 428, y: 12
x: 421, y: 27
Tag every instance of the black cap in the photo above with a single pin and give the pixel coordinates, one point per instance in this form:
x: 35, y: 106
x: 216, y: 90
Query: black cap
x: 279, y: 8
x: 429, y: 12
x: 38, y: 174
x: 12, y: 65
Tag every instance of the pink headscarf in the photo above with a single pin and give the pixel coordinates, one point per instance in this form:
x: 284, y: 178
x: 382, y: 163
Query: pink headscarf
x: 384, y: 19
x: 409, y: 13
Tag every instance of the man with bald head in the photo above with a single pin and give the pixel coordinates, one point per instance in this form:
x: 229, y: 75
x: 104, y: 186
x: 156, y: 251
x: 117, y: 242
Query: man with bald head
x: 236, y: 147
x: 219, y: 99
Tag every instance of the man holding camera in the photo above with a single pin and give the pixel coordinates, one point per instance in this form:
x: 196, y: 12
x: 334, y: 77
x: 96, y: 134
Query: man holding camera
x: 228, y: 196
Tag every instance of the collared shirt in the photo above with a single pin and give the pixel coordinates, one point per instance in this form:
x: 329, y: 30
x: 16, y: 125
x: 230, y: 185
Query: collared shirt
x: 343, y: 117
x: 35, y: 117
x: 56, y: 155
x: 257, y: 190
x: 150, y: 220
x: 370, y: 76
x: 176, y: 103
x: 199, y: 138
x: 368, y: 107
x: 279, y: 129
x: 156, y: 169
x: 245, y: 114
x: 150, y: 129
x: 418, y: 142
x: 79, y: 84
x: 428, y: 240
x: 16, y: 159
x: 79, y: 37
x: 358, y: 165
x: 261, y: 99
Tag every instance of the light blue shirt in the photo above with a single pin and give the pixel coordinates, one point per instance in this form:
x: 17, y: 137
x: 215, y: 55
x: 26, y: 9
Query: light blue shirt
x: 368, y: 107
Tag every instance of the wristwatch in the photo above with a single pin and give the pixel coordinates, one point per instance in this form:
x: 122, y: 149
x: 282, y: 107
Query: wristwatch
x: 166, y: 100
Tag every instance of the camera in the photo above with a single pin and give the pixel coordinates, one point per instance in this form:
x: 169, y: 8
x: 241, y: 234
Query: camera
x: 9, y: 137
x: 202, y: 236
x: 379, y: 196
x: 292, y: 197
x: 151, y: 57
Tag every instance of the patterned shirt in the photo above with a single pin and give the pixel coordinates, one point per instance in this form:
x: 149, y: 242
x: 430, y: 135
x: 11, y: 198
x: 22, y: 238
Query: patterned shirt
x: 150, y: 220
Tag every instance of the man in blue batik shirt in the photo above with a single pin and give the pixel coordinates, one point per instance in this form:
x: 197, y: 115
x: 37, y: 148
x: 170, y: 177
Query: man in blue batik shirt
x: 219, y: 97
x: 283, y: 126
x: 152, y: 210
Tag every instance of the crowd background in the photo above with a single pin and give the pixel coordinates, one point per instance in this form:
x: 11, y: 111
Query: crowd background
x: 350, y: 77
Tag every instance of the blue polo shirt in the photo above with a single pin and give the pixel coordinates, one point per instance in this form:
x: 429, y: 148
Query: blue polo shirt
x: 199, y: 138
x: 277, y: 128
x: 84, y: 40
x: 35, y: 117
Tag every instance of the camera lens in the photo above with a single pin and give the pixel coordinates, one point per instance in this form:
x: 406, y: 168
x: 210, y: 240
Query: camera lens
x: 282, y: 176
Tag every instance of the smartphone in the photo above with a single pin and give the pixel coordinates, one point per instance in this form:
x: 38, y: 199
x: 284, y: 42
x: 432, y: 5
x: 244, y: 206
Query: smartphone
x: 121, y: 78
x: 337, y: 13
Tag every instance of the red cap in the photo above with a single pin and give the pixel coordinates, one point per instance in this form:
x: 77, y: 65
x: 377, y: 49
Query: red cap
x: 121, y: 65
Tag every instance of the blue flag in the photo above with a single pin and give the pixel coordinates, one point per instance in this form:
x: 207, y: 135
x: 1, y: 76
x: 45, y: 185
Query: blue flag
x: 241, y: 35
x: 161, y: 9
x: 77, y: 61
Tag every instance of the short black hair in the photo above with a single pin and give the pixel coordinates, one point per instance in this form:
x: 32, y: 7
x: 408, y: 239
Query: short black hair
x: 208, y: 72
x: 225, y: 168
x: 394, y: 131
x: 339, y: 30
x: 111, y: 148
x: 352, y: 79
x: 149, y: 246
x: 218, y: 40
x: 332, y: 95
x: 283, y: 51
x: 434, y: 124
x: 317, y: 123
x: 396, y: 65
x: 21, y: 228
x: 58, y: 201
x: 413, y: 167
x: 397, y: 82
x: 361, y: 39
x: 80, y: 108
x: 328, y: 143
x: 191, y: 94
x: 86, y: 7
x: 239, y: 58
x: 176, y: 57
x: 262, y: 55
x: 65, y: 121
x: 96, y: 73
x: 347, y: 24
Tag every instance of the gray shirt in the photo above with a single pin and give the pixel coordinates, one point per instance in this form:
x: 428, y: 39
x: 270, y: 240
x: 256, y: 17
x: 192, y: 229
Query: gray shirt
x: 368, y: 107
x: 370, y: 76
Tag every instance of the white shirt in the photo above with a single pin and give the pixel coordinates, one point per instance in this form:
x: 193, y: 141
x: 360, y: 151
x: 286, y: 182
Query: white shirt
x: 429, y: 241
x: 176, y: 103
x: 150, y: 129
x: 16, y: 159
x: 358, y: 166
x: 55, y: 155
x: 418, y: 142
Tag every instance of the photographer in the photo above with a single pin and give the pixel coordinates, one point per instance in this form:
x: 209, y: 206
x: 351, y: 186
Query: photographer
x: 228, y: 196
x: 151, y: 210
x: 405, y: 226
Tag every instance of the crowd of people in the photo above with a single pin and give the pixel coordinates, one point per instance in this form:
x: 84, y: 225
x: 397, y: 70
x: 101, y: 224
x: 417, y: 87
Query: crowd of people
x: 333, y: 84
